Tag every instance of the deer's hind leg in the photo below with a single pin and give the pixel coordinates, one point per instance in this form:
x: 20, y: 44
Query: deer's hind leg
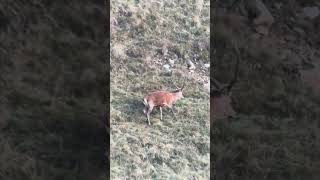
x: 145, y: 110
x: 174, y: 115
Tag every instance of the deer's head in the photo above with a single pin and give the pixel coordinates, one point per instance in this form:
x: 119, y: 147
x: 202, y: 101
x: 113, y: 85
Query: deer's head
x: 179, y: 91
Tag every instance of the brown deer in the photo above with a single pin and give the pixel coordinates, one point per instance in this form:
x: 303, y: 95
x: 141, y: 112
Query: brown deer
x: 220, y: 94
x: 161, y: 99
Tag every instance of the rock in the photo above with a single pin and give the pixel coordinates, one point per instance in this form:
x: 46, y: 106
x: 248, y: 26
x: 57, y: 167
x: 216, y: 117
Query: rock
x: 311, y: 12
x: 207, y: 65
x: 164, y: 51
x: 202, y: 45
x: 190, y: 64
x: 166, y: 69
x: 171, y: 62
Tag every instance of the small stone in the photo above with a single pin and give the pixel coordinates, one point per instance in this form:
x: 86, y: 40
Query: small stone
x: 166, y: 68
x: 164, y: 51
x: 191, y: 66
x: 207, y: 65
x: 171, y: 62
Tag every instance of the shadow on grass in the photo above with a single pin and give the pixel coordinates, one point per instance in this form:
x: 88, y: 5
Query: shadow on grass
x: 131, y: 109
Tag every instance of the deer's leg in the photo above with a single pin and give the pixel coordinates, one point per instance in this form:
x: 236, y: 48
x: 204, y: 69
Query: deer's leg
x: 171, y: 107
x: 160, y: 113
x: 148, y: 114
x: 145, y: 110
x: 174, y: 115
x: 174, y: 108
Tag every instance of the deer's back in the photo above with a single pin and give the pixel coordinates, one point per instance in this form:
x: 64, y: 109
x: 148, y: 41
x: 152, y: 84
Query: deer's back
x: 160, y: 98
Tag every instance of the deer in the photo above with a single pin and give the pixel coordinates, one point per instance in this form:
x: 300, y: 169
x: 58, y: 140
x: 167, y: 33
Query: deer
x: 162, y: 99
x: 220, y: 92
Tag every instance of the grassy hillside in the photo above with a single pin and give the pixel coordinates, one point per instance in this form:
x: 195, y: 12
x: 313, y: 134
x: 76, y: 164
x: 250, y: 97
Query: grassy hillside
x: 145, y: 35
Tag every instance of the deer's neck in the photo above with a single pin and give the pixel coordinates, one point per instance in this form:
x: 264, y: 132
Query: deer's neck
x: 176, y: 96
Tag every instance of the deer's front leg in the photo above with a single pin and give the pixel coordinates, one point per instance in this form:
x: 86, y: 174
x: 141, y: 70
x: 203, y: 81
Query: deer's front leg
x: 160, y: 113
x: 174, y: 115
x: 174, y: 108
